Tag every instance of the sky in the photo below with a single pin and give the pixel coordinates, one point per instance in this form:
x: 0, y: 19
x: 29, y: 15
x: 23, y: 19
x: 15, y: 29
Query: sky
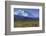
x: 26, y: 12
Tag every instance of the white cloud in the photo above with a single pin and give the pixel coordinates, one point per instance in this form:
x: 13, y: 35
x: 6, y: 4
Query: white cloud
x: 16, y: 13
x: 21, y: 13
x: 25, y: 14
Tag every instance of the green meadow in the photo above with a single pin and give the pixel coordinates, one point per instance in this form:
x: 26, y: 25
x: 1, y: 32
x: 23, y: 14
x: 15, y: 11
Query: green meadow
x: 26, y: 23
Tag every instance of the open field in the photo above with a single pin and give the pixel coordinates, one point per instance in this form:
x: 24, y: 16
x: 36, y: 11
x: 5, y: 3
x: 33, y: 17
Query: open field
x: 26, y: 23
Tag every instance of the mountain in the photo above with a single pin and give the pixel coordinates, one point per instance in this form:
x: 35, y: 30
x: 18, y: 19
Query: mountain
x: 24, y: 18
x: 27, y: 14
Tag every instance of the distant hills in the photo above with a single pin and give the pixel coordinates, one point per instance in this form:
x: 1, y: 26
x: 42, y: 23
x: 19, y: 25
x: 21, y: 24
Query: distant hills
x: 24, y: 18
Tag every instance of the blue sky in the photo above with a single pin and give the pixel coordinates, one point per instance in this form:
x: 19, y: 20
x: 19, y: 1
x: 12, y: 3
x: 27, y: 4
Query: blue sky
x: 26, y: 12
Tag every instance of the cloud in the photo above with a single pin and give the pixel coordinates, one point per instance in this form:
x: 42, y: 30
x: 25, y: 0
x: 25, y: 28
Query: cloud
x: 21, y: 13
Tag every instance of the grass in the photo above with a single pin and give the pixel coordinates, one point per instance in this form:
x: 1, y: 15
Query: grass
x: 26, y: 23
